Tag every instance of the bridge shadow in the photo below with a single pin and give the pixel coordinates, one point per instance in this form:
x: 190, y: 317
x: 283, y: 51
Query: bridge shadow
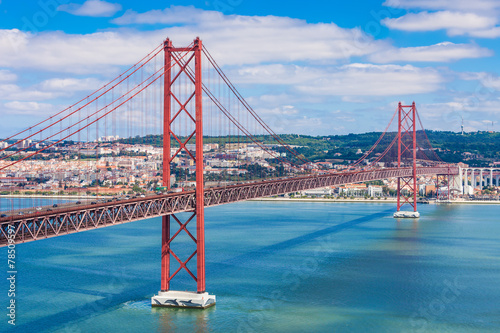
x: 110, y: 301
x: 303, y: 239
x: 67, y: 320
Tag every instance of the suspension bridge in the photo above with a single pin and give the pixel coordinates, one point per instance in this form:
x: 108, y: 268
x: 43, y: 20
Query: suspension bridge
x: 180, y: 99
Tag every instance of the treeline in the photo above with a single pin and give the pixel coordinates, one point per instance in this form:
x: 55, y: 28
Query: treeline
x: 484, y: 147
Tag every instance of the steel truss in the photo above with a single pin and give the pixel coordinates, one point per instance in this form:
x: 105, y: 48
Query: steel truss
x: 189, y: 106
x: 68, y: 220
x: 440, y: 180
x: 407, y: 147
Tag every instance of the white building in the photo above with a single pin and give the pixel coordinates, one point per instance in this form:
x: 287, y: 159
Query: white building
x: 318, y: 192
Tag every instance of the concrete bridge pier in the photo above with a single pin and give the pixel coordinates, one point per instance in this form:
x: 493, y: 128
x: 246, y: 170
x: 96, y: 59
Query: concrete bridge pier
x: 465, y: 189
x: 472, y: 181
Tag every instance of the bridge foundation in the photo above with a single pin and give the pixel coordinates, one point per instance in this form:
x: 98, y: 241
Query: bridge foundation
x: 183, y: 299
x: 404, y: 214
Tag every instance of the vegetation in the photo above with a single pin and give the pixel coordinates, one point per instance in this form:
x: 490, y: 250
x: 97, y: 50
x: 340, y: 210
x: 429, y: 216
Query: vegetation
x: 476, y: 148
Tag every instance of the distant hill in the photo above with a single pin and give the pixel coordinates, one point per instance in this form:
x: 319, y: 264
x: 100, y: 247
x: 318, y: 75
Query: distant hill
x: 475, y: 149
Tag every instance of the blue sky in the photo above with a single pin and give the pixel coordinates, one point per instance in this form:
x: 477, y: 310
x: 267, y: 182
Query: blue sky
x: 308, y: 67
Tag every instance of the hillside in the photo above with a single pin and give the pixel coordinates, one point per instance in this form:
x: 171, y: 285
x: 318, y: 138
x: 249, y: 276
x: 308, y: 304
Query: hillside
x: 475, y: 149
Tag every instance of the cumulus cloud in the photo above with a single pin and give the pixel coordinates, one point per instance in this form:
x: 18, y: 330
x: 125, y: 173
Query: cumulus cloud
x: 458, y: 18
x: 93, y: 8
x: 347, y: 80
x: 169, y: 16
x: 285, y: 110
x: 306, y: 61
x: 35, y: 108
x: 442, y: 52
x: 487, y: 80
x: 456, y: 110
x: 276, y: 74
x: 233, y: 39
x: 486, y: 33
x: 239, y: 39
x: 12, y: 91
x: 292, y: 119
x: 7, y: 76
x: 432, y: 21
x: 376, y: 80
x: 71, y: 84
x: 462, y: 5
x: 59, y: 52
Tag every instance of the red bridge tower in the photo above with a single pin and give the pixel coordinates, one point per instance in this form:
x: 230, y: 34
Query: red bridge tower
x: 407, y: 149
x: 187, y: 106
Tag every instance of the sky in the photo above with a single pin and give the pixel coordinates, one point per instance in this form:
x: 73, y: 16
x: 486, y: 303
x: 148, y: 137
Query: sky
x: 307, y: 67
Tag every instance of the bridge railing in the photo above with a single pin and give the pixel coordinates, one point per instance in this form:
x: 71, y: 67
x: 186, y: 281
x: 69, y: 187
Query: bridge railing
x: 77, y: 218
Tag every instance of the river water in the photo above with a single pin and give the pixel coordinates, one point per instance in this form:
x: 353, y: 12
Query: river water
x: 274, y: 267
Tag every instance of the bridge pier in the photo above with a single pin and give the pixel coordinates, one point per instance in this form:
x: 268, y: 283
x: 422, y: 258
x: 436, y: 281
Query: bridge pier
x: 183, y: 299
x: 174, y: 60
x: 407, y: 148
x: 172, y: 298
x: 406, y: 215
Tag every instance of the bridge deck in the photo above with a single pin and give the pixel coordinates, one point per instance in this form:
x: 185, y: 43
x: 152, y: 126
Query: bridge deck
x: 76, y: 218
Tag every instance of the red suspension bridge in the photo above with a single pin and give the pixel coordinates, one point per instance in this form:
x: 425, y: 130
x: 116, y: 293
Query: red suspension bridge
x: 181, y: 95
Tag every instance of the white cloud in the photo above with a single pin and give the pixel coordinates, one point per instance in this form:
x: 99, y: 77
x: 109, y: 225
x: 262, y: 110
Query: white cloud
x: 98, y: 53
x: 34, y: 108
x: 285, y: 110
x: 442, y: 52
x: 486, y: 80
x: 314, y: 84
x: 93, y: 8
x: 490, y: 81
x: 461, y: 5
x: 46, y: 90
x: 456, y: 23
x: 240, y: 39
x: 376, y: 80
x: 276, y: 74
x: 299, y: 121
x: 306, y: 62
x: 352, y: 80
x: 451, y: 21
x: 7, y: 76
x: 169, y: 16
x: 457, y: 109
x: 15, y: 92
x: 71, y: 84
x: 233, y: 39
x: 486, y: 33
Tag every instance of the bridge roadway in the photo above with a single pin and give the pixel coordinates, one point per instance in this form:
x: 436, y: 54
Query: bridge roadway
x: 74, y: 218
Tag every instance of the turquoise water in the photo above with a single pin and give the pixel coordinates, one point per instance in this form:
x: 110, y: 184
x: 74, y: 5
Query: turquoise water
x: 275, y: 267
x: 11, y: 203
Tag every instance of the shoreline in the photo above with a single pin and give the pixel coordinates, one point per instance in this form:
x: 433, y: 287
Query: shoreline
x: 24, y: 196
x: 389, y: 200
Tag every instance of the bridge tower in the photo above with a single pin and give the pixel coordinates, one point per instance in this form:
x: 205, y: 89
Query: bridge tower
x: 407, y: 190
x: 183, y: 68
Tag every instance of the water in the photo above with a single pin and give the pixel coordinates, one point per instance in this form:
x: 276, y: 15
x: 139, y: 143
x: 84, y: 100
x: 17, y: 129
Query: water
x: 275, y: 267
x: 13, y: 203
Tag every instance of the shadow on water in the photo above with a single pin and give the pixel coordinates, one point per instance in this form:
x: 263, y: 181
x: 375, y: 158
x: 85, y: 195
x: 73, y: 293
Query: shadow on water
x: 168, y: 317
x: 67, y: 319
x: 271, y: 249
